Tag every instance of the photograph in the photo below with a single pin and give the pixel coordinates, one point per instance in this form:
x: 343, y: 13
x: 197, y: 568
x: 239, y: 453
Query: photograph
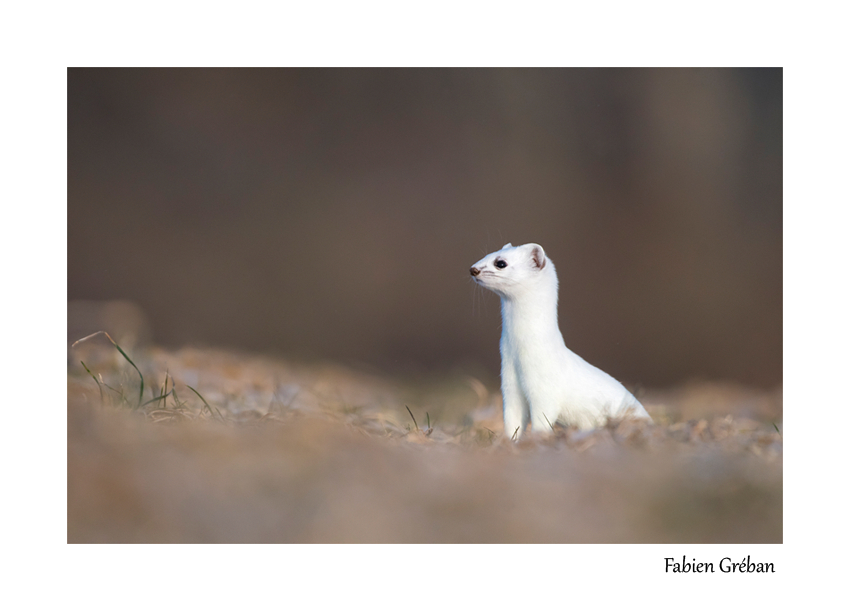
x: 427, y: 306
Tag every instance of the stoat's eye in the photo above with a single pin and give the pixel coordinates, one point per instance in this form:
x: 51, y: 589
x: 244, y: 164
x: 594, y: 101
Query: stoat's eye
x: 501, y: 263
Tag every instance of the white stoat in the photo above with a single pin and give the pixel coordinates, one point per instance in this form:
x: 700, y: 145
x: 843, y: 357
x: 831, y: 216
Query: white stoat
x: 543, y: 381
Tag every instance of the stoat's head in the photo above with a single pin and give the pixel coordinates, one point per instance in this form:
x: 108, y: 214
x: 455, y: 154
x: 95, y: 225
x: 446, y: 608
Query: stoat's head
x: 515, y: 270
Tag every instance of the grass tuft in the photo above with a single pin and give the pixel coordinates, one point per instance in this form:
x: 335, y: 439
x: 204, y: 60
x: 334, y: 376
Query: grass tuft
x: 124, y: 354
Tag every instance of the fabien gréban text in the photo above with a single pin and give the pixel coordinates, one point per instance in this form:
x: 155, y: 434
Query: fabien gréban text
x: 726, y: 565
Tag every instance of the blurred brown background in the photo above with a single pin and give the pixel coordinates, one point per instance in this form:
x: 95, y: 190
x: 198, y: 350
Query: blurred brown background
x: 335, y: 213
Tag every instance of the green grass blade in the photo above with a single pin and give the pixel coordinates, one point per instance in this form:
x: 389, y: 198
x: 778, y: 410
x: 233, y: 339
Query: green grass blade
x: 141, y: 377
x: 411, y: 415
x: 159, y: 398
x: 96, y: 381
x: 163, y: 393
x: 205, y: 403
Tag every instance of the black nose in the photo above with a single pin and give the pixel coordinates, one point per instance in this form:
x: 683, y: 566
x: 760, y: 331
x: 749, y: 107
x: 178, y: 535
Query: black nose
x: 474, y: 271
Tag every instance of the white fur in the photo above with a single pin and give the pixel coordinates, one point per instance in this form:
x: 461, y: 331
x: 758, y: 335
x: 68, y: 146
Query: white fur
x: 543, y: 381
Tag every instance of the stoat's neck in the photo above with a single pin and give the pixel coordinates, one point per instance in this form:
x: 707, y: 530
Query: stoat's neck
x: 531, y: 318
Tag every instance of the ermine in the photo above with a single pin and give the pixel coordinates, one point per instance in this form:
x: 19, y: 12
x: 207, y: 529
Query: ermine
x: 543, y: 381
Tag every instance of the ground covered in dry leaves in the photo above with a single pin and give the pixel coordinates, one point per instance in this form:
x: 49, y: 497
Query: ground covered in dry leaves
x: 271, y: 451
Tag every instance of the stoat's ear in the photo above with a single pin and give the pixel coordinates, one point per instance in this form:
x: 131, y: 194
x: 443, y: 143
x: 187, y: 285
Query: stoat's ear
x: 508, y: 245
x: 538, y: 257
